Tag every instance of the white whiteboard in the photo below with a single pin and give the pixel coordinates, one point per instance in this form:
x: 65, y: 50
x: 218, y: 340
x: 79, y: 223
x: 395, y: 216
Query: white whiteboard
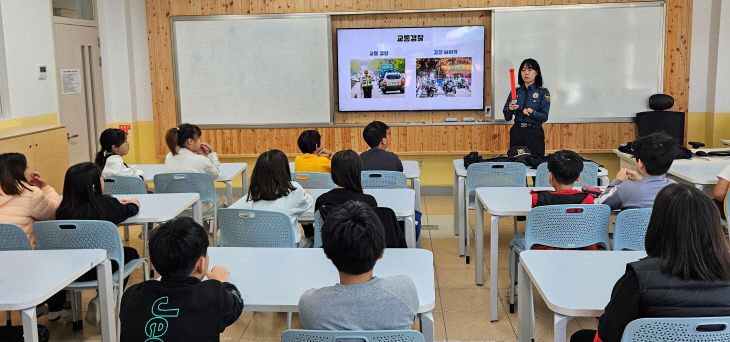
x: 253, y: 70
x: 599, y: 62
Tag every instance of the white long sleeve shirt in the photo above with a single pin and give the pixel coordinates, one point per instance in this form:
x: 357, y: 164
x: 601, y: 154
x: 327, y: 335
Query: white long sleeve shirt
x: 187, y: 161
x: 115, y: 166
x: 293, y: 204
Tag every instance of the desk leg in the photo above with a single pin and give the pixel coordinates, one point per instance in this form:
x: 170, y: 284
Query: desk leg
x: 30, y: 325
x: 461, y: 219
x: 427, y: 326
x: 493, y: 266
x: 525, y: 319
x: 244, y: 182
x: 416, y: 183
x: 107, y: 301
x: 478, y: 242
x: 560, y: 326
x: 410, y: 232
x: 455, y: 191
x: 198, y: 212
x: 229, y: 193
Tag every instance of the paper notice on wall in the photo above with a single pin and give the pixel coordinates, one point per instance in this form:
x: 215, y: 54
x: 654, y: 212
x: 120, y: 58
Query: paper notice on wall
x: 70, y: 81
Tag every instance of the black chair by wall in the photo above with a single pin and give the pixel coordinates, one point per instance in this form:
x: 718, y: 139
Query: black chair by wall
x: 661, y: 119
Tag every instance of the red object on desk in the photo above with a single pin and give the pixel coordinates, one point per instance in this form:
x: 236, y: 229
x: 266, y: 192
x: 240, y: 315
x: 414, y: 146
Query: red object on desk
x: 512, y: 80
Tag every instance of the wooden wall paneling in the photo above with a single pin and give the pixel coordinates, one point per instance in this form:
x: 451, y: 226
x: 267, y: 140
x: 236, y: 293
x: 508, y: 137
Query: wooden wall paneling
x: 590, y: 137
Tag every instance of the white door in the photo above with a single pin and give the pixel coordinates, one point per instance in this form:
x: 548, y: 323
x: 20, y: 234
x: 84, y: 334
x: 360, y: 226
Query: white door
x: 80, y: 92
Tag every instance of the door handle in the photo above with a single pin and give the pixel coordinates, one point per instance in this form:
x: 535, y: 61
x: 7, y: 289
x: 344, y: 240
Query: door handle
x: 69, y: 136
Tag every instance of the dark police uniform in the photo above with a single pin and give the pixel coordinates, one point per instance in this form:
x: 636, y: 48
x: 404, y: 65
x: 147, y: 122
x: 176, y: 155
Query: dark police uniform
x: 527, y: 130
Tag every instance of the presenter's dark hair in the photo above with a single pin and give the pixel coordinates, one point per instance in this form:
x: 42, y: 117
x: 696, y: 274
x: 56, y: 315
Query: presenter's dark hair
x: 374, y: 133
x: 109, y: 137
x: 178, y: 136
x: 346, y: 170
x: 353, y: 237
x: 530, y: 64
x: 656, y: 151
x: 81, y: 190
x: 565, y: 166
x: 176, y: 246
x: 686, y: 233
x: 271, y: 177
x: 12, y: 173
x: 309, y: 140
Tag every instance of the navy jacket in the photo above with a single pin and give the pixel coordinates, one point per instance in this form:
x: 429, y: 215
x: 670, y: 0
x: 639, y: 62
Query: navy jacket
x: 533, y: 97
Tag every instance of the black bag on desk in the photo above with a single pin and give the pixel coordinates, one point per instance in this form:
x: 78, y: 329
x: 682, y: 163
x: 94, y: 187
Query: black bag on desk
x: 471, y: 158
x: 680, y: 152
x: 15, y: 333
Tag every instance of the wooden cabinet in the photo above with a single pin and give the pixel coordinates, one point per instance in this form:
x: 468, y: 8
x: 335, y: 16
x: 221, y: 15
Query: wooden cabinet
x: 45, y: 148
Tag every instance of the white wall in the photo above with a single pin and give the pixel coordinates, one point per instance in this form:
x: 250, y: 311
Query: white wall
x: 125, y: 56
x: 28, y: 41
x: 709, y: 81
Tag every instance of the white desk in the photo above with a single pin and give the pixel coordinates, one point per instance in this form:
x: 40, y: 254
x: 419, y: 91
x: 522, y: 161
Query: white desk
x: 412, y: 172
x: 459, y: 201
x: 44, y: 273
x: 227, y: 172
x: 401, y: 201
x: 572, y: 283
x: 158, y: 208
x: 273, y: 279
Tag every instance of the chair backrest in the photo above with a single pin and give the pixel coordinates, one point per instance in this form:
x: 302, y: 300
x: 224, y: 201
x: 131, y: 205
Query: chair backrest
x: 313, y: 180
x: 13, y: 238
x: 187, y: 182
x: 630, y: 229
x: 495, y: 174
x: 383, y: 180
x: 295, y: 335
x: 685, y: 329
x: 80, y: 234
x: 589, y: 175
x: 255, y: 228
x: 568, y: 225
x: 318, y: 223
x: 124, y: 185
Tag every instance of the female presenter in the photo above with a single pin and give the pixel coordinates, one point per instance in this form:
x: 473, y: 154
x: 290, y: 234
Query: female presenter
x: 530, y: 109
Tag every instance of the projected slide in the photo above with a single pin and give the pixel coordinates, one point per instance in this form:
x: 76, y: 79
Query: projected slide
x: 433, y: 68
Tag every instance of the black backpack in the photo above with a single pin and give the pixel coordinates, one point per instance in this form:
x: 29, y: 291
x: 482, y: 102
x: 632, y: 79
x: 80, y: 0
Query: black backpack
x: 471, y: 158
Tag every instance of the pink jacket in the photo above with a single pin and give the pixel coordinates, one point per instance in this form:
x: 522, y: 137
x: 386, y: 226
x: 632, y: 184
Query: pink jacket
x: 32, y: 205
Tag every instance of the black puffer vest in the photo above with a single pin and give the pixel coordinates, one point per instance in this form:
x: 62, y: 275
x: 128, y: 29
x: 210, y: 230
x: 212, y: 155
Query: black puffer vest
x: 662, y: 295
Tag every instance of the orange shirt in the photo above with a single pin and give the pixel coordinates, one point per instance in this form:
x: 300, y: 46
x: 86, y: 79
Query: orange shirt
x: 309, y: 162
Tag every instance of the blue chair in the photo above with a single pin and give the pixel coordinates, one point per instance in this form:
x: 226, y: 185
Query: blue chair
x: 562, y: 226
x: 588, y: 177
x: 489, y: 174
x: 192, y: 182
x: 313, y: 180
x: 88, y: 234
x: 686, y: 329
x: 383, y: 180
x: 318, y: 223
x: 13, y: 238
x: 124, y: 185
x: 255, y: 228
x: 630, y: 229
x: 295, y: 335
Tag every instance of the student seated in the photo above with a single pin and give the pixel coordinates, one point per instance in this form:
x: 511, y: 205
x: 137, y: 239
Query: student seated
x: 686, y: 272
x: 377, y: 158
x: 181, y: 306
x: 314, y: 157
x: 114, y: 146
x: 564, y: 168
x: 271, y: 188
x: 83, y: 199
x: 353, y: 239
x: 654, y: 156
x: 188, y: 153
x: 24, y: 196
x: 720, y: 190
x: 346, y: 169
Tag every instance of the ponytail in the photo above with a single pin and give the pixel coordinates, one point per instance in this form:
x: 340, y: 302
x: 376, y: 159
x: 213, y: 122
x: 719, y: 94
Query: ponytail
x: 177, y: 136
x: 108, y: 138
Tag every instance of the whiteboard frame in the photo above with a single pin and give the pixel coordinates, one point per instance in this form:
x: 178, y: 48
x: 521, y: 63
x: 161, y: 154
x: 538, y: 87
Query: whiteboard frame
x: 660, y: 70
x: 224, y: 17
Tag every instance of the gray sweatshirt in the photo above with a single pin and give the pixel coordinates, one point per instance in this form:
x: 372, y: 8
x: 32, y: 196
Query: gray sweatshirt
x: 633, y: 194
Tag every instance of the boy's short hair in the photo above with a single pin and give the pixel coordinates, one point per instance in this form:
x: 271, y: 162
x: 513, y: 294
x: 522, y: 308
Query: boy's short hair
x: 176, y: 246
x: 374, y: 133
x: 309, y: 140
x: 565, y: 166
x: 656, y: 151
x: 353, y: 237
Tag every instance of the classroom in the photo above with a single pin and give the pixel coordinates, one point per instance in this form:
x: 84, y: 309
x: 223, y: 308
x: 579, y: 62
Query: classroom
x: 539, y: 169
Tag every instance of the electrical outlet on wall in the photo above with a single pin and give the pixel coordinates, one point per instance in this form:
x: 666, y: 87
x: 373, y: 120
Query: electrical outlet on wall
x: 420, y: 163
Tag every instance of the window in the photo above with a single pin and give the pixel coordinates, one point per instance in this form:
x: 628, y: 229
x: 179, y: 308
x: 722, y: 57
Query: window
x: 76, y: 9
